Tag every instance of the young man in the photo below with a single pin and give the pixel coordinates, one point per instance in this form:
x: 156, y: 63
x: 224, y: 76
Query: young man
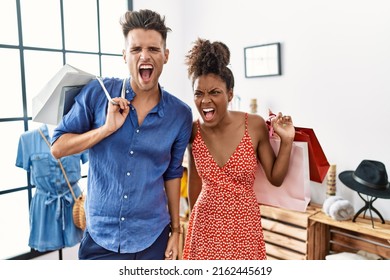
x: 136, y: 145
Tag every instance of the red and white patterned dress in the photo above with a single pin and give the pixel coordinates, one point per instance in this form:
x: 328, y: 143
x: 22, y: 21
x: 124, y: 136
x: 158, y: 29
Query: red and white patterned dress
x: 225, y: 222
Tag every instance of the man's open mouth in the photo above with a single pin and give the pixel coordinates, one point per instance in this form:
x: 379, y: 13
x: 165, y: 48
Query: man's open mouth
x: 145, y: 71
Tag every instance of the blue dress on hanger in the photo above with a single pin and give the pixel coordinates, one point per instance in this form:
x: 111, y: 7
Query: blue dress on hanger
x: 51, y: 221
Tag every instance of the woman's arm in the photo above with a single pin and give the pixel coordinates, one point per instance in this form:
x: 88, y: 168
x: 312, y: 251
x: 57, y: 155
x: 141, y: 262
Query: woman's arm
x: 194, y: 181
x: 172, y: 189
x: 275, y: 166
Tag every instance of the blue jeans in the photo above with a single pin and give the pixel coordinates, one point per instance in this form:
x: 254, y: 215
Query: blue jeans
x: 89, y: 250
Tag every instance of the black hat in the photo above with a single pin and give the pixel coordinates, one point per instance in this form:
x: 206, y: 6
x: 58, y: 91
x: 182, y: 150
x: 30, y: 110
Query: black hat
x: 369, y: 178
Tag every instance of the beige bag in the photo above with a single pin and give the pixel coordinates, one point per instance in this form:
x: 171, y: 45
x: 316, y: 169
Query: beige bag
x: 79, y: 212
x: 78, y: 206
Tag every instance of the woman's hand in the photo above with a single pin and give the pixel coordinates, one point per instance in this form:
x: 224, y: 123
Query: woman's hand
x: 172, y: 251
x: 283, y: 126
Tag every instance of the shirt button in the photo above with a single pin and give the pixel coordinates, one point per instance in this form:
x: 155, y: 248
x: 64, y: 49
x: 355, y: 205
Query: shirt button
x: 131, y: 152
x: 128, y: 173
x: 123, y: 218
x: 125, y: 196
x: 137, y: 131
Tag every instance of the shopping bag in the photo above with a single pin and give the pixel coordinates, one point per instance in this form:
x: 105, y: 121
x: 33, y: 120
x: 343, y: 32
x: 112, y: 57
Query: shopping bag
x: 55, y: 98
x: 318, y: 162
x: 294, y: 193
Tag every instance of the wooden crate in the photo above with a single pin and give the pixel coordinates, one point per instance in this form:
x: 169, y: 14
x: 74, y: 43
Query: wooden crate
x: 287, y: 233
x: 333, y: 236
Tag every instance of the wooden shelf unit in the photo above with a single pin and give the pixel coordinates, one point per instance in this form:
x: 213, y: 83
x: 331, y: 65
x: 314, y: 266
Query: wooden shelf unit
x: 311, y: 235
x: 331, y: 236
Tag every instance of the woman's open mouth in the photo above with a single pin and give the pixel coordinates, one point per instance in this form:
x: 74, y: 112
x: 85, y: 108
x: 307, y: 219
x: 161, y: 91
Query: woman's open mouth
x: 208, y: 113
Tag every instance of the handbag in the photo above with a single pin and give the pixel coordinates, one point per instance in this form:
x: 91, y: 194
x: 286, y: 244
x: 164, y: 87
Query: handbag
x: 78, y: 210
x: 294, y: 193
x: 50, y: 104
x: 318, y: 162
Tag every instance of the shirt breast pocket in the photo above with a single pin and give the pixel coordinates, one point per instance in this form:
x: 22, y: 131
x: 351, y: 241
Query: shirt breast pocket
x: 41, y: 165
x: 72, y: 167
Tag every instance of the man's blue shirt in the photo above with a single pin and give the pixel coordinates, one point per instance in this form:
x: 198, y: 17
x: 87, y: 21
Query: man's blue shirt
x: 126, y: 200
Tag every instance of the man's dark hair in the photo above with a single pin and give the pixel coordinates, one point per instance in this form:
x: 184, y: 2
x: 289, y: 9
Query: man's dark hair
x: 145, y: 19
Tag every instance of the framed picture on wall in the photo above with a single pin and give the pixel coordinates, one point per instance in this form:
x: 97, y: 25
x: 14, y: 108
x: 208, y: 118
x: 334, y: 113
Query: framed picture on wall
x: 262, y: 60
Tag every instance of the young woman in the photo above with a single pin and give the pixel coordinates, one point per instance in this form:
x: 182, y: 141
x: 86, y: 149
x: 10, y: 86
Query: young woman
x: 224, y: 151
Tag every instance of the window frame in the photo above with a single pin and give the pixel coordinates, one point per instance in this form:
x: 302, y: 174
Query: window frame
x: 28, y: 189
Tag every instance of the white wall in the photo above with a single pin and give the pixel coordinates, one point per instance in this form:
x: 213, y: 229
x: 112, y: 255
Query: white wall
x: 335, y: 63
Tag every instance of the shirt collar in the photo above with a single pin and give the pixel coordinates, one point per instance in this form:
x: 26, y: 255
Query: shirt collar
x: 159, y: 109
x: 45, y: 131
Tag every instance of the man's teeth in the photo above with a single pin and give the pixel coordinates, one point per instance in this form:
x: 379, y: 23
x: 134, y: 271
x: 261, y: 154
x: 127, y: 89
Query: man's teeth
x: 208, y: 110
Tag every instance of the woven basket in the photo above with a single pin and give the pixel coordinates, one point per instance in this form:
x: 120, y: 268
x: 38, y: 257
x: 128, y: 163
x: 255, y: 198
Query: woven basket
x: 79, y: 212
